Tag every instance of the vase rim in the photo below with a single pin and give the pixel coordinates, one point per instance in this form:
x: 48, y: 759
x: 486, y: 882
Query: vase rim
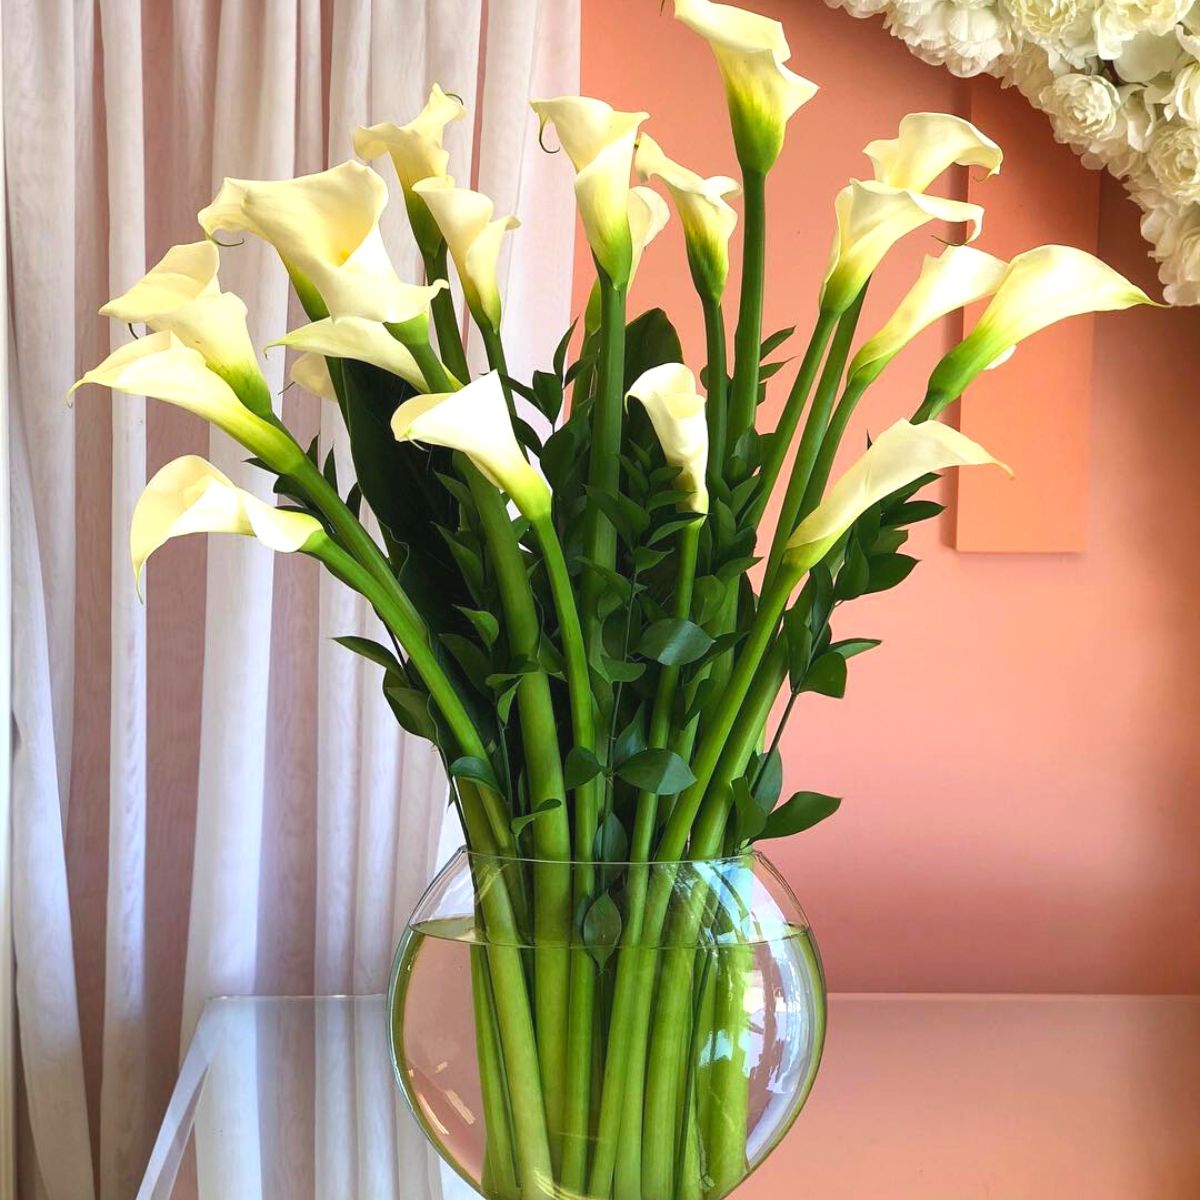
x: 480, y: 856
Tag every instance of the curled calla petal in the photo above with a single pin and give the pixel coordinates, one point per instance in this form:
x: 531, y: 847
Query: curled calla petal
x: 474, y: 238
x: 926, y: 145
x: 762, y: 92
x: 475, y: 421
x: 325, y: 228
x: 310, y: 371
x: 960, y: 275
x: 707, y: 218
x: 189, y: 495
x: 417, y: 153
x: 871, y: 218
x: 1040, y: 287
x: 899, y: 456
x: 676, y: 411
x: 363, y: 341
x: 162, y: 367
x: 182, y: 295
x: 599, y: 141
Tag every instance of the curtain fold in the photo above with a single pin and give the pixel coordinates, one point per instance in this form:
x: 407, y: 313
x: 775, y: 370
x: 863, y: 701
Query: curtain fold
x: 209, y: 796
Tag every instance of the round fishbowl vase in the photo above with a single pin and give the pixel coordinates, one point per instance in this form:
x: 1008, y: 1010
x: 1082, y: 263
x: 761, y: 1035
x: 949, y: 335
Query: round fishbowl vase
x: 587, y: 1031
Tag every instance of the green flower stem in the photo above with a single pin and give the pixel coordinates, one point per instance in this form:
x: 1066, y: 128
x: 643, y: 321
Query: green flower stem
x: 621, y: 1091
x: 499, y: 1167
x: 729, y: 1099
x: 445, y: 318
x: 716, y: 401
x: 577, y: 1094
x: 437, y: 378
x: 934, y: 404
x: 829, y: 446
x: 747, y: 339
x: 814, y: 434
x: 543, y: 764
x: 781, y: 439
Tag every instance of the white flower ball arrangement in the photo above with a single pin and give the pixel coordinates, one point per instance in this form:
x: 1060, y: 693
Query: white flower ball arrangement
x: 1119, y: 80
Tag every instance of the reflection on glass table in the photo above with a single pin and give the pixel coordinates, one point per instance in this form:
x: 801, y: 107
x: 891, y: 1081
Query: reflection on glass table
x: 920, y: 1098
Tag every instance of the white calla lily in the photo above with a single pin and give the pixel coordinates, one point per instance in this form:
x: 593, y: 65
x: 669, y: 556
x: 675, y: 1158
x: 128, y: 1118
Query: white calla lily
x: 676, y: 411
x: 926, y: 145
x: 310, y: 371
x: 417, y: 153
x: 475, y: 421
x: 325, y: 228
x: 900, y: 455
x: 363, y: 341
x: 162, y: 367
x: 1040, y: 287
x: 960, y: 275
x: 708, y: 219
x: 762, y: 92
x: 871, y: 218
x: 474, y: 239
x: 599, y: 141
x: 189, y: 495
x: 648, y: 216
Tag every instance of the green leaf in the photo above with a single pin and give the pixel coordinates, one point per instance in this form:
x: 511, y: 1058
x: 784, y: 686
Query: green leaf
x: 517, y: 824
x: 468, y: 655
x: 849, y: 647
x: 774, y: 341
x: 888, y: 570
x: 826, y: 676
x: 914, y: 511
x: 855, y: 575
x: 661, y: 772
x: 547, y: 394
x: 674, y: 642
x: 475, y: 769
x: 560, y: 351
x: 373, y: 652
x: 611, y: 843
x: 768, y: 781
x: 620, y: 671
x: 485, y: 624
x: 802, y: 811
x: 580, y: 767
x: 645, y: 558
x: 412, y: 710
x: 632, y: 739
x: 749, y: 816
x: 650, y: 341
x: 799, y: 642
x: 602, y: 929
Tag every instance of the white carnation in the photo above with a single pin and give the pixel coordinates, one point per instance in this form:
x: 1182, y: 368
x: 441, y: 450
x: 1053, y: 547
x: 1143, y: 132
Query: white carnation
x: 1084, y: 109
x: 860, y: 8
x: 967, y: 37
x: 1120, y: 21
x: 1063, y: 27
x: 1183, y: 100
x: 1175, y: 160
x: 1177, y: 247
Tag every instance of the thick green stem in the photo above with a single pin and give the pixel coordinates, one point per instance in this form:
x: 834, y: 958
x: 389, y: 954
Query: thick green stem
x: 499, y: 1167
x: 445, y: 319
x: 814, y: 434
x: 716, y: 401
x: 747, y: 340
x: 829, y: 446
x: 437, y: 378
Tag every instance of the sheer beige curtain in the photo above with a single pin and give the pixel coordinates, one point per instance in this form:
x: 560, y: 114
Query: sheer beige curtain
x: 208, y: 797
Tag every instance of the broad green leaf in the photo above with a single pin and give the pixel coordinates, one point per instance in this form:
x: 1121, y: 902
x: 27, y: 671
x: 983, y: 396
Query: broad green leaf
x: 849, y: 647
x: 650, y: 341
x: 611, y: 843
x: 602, y: 929
x: 475, y: 769
x: 826, y: 676
x: 774, y: 341
x: 485, y: 624
x: 802, y: 811
x: 855, y: 575
x: 412, y: 710
x: 889, y: 570
x: 661, y: 772
x: 517, y: 824
x: 768, y: 780
x: 373, y: 652
x: 913, y: 511
x: 749, y: 816
x: 580, y: 767
x: 674, y: 642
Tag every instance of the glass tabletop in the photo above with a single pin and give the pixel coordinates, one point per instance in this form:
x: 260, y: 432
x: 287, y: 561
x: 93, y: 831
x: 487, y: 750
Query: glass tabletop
x: 933, y: 1097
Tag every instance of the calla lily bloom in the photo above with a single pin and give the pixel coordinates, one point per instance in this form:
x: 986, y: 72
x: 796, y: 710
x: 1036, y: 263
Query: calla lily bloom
x: 310, y: 371
x: 871, y: 218
x: 474, y: 240
x: 325, y: 228
x: 363, y: 341
x: 189, y: 495
x: 600, y: 142
x: 648, y: 216
x: 417, y: 153
x: 927, y: 144
x: 475, y: 421
x: 1040, y: 287
x: 899, y: 456
x: 961, y: 275
x: 676, y: 410
x: 707, y: 218
x: 181, y: 294
x: 162, y: 367
x: 762, y: 92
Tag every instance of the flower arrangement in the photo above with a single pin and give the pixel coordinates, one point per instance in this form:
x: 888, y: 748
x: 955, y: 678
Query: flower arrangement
x: 1119, y: 80
x: 582, y: 625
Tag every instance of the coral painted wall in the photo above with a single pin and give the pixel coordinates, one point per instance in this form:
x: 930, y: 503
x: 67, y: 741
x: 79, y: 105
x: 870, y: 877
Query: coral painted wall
x: 1020, y: 760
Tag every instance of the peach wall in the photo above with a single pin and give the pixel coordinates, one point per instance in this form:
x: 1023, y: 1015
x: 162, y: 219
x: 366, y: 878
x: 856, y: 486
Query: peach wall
x: 1020, y: 760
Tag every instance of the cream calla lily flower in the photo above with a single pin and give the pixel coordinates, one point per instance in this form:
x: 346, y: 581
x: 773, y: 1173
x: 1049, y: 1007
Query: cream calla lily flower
x: 899, y: 456
x: 162, y: 367
x: 648, y: 216
x: 871, y: 218
x: 474, y: 238
x: 1040, y: 287
x: 475, y: 421
x: 676, y: 410
x: 960, y: 275
x: 762, y: 92
x: 189, y: 495
x: 707, y: 218
x: 325, y: 228
x: 181, y: 294
x: 927, y: 144
x: 363, y: 341
x: 310, y: 371
x: 417, y: 153
x: 599, y: 141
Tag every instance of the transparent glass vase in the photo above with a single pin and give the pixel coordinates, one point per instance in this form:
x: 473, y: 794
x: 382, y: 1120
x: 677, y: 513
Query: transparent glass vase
x: 627, y: 1030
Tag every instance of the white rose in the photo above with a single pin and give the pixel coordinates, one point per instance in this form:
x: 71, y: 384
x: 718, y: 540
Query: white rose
x: 1084, y: 109
x: 1175, y: 160
x: 965, y: 36
x: 1177, y: 247
x: 1183, y: 100
x: 1061, y: 26
x: 1119, y: 21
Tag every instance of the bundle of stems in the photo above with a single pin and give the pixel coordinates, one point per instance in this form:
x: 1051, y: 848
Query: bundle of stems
x: 582, y: 612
